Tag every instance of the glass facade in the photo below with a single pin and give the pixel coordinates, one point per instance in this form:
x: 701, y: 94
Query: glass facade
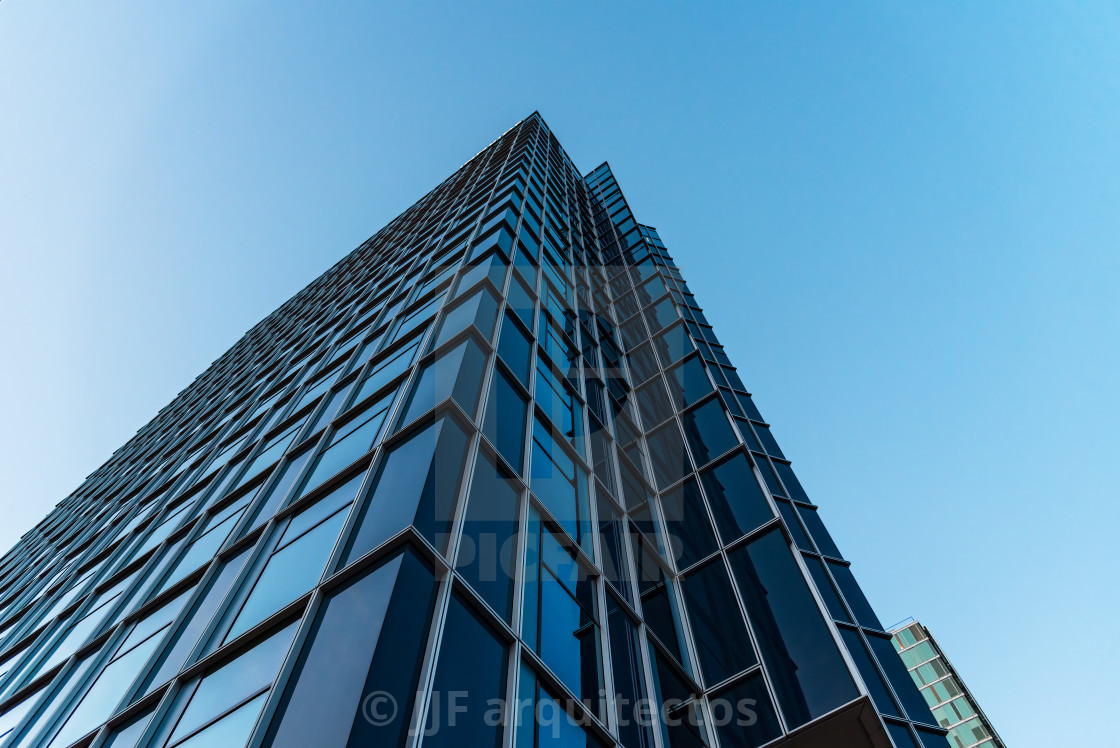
x: 489, y: 480
x: 952, y: 703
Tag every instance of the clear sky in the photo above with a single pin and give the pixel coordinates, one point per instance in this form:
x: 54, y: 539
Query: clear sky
x: 903, y: 219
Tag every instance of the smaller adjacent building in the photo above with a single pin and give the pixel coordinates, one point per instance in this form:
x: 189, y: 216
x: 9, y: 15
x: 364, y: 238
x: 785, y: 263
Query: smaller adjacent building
x: 952, y: 703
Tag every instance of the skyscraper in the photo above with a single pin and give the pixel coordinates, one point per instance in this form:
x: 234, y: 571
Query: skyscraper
x: 953, y: 705
x: 491, y: 480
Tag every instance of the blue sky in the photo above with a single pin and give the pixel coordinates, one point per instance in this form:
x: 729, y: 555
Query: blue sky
x: 901, y: 217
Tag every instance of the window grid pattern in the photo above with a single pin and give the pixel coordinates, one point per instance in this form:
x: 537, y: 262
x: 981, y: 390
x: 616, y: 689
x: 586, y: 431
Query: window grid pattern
x: 952, y: 703
x: 518, y: 326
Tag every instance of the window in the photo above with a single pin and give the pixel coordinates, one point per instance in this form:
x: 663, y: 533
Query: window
x: 818, y: 531
x: 904, y: 687
x: 722, y: 642
x: 687, y: 525
x: 416, y: 318
x: 559, y: 483
x: 343, y: 663
x: 223, y: 706
x: 351, y: 441
x: 470, y: 678
x: 854, y: 596
x: 828, y: 591
x: 708, y: 432
x: 667, y: 455
x: 270, y: 452
x: 386, y: 370
x: 515, y: 348
x: 492, y: 267
x: 688, y: 383
x: 106, y: 691
x: 673, y: 344
x: 739, y: 730
x: 544, y: 720
x: 807, y: 670
x: 489, y: 540
x: 871, y: 675
x: 615, y: 561
x: 203, y: 548
x: 680, y: 719
x: 480, y: 309
x: 504, y: 422
x: 183, y: 642
x: 560, y: 618
x: 661, y: 314
x: 560, y: 404
x: 279, y: 489
x: 659, y: 605
x: 629, y: 680
x: 737, y: 501
x: 455, y: 374
x: 417, y: 484
x: 298, y: 559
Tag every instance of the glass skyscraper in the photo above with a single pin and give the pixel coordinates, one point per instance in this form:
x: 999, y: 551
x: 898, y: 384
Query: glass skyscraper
x: 491, y: 480
x: 952, y: 703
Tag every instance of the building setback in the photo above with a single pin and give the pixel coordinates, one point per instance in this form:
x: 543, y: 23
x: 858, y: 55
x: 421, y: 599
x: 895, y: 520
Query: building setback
x: 953, y: 705
x: 491, y: 480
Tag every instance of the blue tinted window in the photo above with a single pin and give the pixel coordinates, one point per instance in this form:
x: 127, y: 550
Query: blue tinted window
x: 489, y: 542
x: 279, y: 489
x: 708, y: 432
x: 616, y: 563
x: 293, y: 569
x: 560, y: 404
x: 480, y: 310
x: 231, y: 730
x: 544, y: 721
x: 817, y: 529
x: 659, y: 606
x: 871, y: 675
x: 688, y: 383
x: 559, y: 620
x: 386, y: 370
x: 673, y: 344
x: 789, y: 514
x: 745, y: 729
x: 684, y: 729
x: 629, y: 680
x: 417, y: 484
x: 454, y: 374
x: 520, y: 302
x: 737, y: 501
x: 323, y: 706
x: 654, y: 403
x: 807, y: 670
x: 504, y: 421
x: 559, y: 484
x: 514, y: 348
x: 687, y: 525
x: 825, y: 587
x: 186, y: 638
x: 901, y: 737
x: 352, y: 440
x: 661, y: 314
x: 470, y: 677
x: 722, y: 642
x: 903, y: 684
x: 857, y: 603
x: 667, y: 455
x: 237, y: 682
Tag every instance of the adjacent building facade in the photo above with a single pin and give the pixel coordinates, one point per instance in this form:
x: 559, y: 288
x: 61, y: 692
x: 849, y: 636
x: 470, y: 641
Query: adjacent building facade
x: 491, y: 480
x: 952, y: 703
